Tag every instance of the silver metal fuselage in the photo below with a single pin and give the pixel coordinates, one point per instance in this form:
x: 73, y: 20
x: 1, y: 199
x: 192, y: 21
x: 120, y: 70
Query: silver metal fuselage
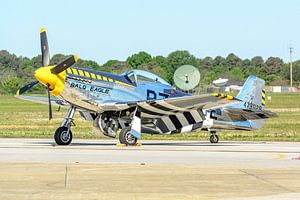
x: 90, y: 93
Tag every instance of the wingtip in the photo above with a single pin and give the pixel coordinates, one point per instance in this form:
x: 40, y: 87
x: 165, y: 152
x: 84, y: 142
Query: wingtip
x: 18, y: 93
x: 42, y: 30
x: 50, y: 121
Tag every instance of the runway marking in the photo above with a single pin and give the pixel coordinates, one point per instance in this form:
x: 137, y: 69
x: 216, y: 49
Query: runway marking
x: 267, y: 181
x: 279, y: 156
x: 124, y: 145
x: 120, y: 145
x: 66, y: 176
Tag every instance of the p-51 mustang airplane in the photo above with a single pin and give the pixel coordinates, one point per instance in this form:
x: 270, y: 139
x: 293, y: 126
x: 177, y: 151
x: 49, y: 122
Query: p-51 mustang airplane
x: 140, y: 102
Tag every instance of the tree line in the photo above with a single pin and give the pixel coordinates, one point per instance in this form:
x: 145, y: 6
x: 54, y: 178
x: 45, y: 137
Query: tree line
x: 16, y: 71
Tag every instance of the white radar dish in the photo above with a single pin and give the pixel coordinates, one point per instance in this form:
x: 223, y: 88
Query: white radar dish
x: 186, y: 77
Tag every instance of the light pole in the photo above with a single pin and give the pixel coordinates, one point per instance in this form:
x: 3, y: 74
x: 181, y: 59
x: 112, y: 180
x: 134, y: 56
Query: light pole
x: 291, y: 66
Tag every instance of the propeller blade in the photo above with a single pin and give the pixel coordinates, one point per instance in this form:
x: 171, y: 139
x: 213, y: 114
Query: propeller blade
x: 64, y: 65
x: 50, y: 108
x: 44, y: 48
x: 26, y: 87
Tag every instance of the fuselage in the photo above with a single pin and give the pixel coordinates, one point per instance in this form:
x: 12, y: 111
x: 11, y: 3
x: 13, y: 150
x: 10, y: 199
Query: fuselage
x: 88, y: 89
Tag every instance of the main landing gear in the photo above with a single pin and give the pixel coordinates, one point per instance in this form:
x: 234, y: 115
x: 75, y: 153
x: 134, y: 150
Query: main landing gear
x: 130, y: 134
x: 214, y: 138
x: 63, y: 135
x: 126, y: 137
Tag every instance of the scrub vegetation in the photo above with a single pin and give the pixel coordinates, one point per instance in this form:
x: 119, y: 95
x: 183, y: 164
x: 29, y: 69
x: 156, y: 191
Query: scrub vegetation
x: 25, y: 119
x: 16, y: 71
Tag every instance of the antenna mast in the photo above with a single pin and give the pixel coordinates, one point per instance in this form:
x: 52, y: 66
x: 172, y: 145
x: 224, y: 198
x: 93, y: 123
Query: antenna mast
x: 291, y: 65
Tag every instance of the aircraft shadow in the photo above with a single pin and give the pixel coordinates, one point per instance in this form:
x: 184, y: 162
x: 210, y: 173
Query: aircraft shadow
x: 186, y: 144
x: 161, y: 143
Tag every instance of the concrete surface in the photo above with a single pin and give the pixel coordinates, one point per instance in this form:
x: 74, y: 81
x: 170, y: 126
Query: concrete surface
x: 98, y: 169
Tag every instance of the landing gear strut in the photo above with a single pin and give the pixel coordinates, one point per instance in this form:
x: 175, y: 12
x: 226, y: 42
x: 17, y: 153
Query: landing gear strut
x: 126, y: 137
x: 214, y: 138
x: 63, y: 135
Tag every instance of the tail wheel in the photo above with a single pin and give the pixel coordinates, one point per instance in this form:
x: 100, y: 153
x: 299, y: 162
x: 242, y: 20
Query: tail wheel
x: 62, y: 136
x: 126, y: 137
x: 214, y: 138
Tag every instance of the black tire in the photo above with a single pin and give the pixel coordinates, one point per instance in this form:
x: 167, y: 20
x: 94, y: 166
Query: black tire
x: 121, y: 136
x: 61, y: 138
x: 126, y: 137
x: 214, y: 138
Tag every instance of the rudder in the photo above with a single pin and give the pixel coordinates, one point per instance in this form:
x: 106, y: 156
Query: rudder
x: 253, y: 94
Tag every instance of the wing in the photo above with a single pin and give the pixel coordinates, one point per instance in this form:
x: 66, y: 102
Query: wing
x: 169, y: 106
x: 43, y: 100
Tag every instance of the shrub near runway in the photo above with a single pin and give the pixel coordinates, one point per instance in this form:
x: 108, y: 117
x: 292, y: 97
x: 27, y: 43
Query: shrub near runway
x: 25, y: 119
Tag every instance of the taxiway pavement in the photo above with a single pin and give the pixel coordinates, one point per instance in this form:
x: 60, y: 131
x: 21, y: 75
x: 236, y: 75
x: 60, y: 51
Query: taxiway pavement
x: 98, y: 169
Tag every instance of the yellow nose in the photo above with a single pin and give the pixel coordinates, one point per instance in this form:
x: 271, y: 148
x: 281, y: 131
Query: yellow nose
x: 56, y: 82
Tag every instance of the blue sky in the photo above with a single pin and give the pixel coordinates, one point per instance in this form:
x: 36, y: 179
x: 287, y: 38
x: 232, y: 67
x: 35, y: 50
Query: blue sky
x: 103, y: 30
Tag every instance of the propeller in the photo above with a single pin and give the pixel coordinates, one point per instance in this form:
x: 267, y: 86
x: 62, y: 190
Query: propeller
x: 47, y: 75
x: 64, y: 65
x: 26, y: 87
x: 44, y: 48
x: 50, y: 107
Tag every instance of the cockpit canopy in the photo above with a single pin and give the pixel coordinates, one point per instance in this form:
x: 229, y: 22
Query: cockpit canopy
x: 140, y: 76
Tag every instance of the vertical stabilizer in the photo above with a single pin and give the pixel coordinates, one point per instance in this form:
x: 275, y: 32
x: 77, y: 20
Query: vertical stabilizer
x: 253, y: 94
x: 253, y: 97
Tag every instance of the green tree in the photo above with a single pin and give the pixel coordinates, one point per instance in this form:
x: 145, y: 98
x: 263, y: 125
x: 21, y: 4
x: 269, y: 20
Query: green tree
x: 233, y: 61
x: 252, y: 70
x: 35, y: 62
x: 274, y: 65
x: 87, y: 64
x: 138, y: 59
x: 219, y: 61
x: 11, y: 85
x: 208, y: 62
x: 246, y: 63
x: 166, y: 70
x: 210, y: 77
x: 237, y: 74
x: 115, y: 66
x: 179, y: 58
x: 160, y: 60
x: 159, y: 71
x: 257, y: 61
x: 296, y: 71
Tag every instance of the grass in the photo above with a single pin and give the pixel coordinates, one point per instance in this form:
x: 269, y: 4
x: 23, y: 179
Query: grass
x: 20, y: 118
x: 25, y: 119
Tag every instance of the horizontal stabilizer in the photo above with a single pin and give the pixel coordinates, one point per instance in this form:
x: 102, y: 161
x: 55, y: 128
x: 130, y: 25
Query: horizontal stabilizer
x: 243, y: 115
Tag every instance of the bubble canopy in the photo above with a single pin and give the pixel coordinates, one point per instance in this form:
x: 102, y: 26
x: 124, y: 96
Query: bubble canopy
x: 138, y: 76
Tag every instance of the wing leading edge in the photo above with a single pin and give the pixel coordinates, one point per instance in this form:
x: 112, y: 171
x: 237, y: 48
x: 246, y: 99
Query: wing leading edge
x: 43, y: 100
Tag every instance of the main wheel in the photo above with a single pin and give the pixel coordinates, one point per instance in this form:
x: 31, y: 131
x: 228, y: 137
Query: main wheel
x: 214, y: 138
x: 126, y: 137
x: 62, y: 136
